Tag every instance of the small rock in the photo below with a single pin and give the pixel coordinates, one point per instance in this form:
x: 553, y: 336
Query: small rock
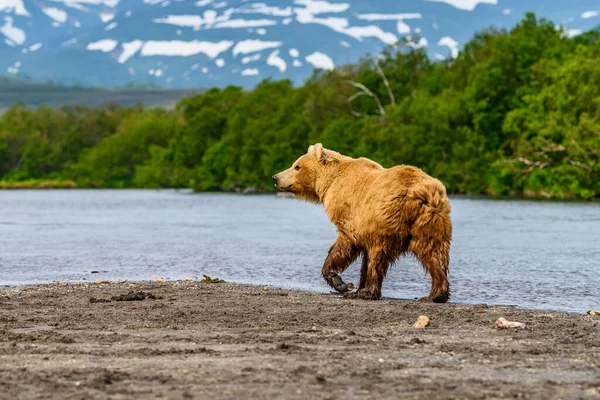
x: 249, y: 190
x: 502, y: 323
x: 593, y: 312
x: 94, y: 272
x: 422, y: 322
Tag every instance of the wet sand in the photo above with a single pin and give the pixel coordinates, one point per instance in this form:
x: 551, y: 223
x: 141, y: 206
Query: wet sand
x: 225, y: 341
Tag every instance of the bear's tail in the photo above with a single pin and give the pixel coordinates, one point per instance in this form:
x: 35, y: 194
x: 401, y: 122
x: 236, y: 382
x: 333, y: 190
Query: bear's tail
x: 431, y: 233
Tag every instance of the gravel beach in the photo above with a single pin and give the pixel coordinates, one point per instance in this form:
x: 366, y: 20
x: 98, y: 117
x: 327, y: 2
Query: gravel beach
x: 180, y: 340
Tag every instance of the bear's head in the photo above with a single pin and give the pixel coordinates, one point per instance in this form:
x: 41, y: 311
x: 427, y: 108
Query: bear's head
x: 309, y: 175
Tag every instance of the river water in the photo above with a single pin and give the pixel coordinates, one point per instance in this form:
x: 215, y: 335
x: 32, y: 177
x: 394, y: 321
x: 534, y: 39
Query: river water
x: 543, y: 255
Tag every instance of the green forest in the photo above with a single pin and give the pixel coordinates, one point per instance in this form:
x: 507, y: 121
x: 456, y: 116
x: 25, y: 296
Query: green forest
x: 517, y: 113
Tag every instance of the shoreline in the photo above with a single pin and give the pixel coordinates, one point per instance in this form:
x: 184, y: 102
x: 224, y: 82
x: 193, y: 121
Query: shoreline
x: 43, y: 185
x: 225, y: 341
x: 80, y: 283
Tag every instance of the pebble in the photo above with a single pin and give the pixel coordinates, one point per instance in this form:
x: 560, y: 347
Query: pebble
x: 422, y: 322
x: 503, y: 323
x: 593, y: 312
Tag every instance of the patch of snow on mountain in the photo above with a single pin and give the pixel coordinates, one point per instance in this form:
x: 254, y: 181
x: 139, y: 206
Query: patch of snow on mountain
x: 250, y: 72
x: 590, y: 14
x: 14, y: 69
x: 105, y: 17
x: 253, y: 45
x: 360, y: 32
x: 421, y: 43
x: 389, y: 17
x: 35, y: 47
x: 56, y: 14
x: 277, y: 61
x: 129, y: 50
x: 403, y: 28
x: 294, y: 53
x: 341, y: 25
x: 76, y: 3
x: 68, y: 42
x: 104, y: 45
x: 181, y: 48
x: 193, y: 21
x: 262, y: 8
x: 241, y: 23
x: 451, y: 44
x: 468, y: 5
x: 14, y: 6
x: 11, y: 32
x: 249, y: 59
x: 322, y: 7
x: 320, y: 60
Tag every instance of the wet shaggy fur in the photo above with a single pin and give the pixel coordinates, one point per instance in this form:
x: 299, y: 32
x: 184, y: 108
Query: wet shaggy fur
x: 380, y: 214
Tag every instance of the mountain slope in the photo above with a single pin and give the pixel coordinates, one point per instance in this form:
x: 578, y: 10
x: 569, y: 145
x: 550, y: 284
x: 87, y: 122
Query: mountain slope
x: 217, y: 42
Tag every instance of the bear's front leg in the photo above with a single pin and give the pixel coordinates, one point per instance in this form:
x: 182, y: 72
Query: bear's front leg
x: 341, y: 255
x: 374, y: 267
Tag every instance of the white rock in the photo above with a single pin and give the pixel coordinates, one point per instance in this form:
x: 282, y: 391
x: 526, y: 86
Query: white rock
x: 502, y: 323
x: 422, y: 322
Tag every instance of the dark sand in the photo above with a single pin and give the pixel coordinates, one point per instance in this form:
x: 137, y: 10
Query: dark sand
x: 223, y: 341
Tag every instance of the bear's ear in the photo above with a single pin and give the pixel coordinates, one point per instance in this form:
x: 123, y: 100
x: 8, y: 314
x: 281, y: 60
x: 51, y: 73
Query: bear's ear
x: 318, y: 152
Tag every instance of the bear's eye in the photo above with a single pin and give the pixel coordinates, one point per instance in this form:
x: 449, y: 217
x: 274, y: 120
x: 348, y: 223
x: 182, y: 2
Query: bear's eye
x: 297, y: 168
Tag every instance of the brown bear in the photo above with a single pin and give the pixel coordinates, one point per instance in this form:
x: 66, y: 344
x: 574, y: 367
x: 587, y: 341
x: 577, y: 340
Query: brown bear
x: 380, y: 214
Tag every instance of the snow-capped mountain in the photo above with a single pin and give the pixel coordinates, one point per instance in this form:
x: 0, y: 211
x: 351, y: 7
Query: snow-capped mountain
x: 181, y: 43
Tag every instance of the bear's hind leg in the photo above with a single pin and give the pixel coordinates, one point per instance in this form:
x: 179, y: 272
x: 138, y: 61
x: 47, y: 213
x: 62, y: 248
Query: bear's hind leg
x: 435, y: 263
x: 375, y: 265
x: 341, y: 255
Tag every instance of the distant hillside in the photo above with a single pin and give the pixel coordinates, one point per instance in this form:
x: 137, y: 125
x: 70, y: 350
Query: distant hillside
x: 35, y: 95
x: 201, y: 43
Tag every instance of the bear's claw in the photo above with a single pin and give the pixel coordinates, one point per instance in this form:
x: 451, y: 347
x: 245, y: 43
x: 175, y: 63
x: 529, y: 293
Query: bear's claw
x: 336, y: 282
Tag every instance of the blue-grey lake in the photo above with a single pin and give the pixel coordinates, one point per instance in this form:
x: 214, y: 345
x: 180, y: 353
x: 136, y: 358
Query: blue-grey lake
x: 543, y: 255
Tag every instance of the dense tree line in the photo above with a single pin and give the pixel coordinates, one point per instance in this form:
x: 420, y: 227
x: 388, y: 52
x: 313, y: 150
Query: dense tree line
x: 516, y: 113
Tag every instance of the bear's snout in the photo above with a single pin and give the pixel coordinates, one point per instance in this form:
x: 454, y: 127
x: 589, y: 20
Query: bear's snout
x: 275, y: 179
